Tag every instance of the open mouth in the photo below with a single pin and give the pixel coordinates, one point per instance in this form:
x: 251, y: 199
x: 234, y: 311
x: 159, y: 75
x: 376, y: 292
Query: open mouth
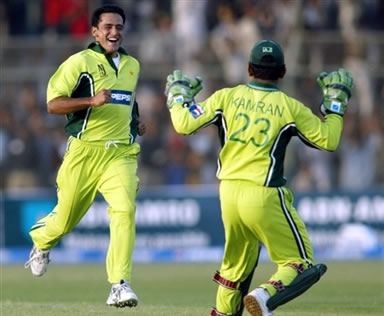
x: 113, y: 40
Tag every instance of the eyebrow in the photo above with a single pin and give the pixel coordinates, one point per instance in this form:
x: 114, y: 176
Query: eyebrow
x: 111, y: 24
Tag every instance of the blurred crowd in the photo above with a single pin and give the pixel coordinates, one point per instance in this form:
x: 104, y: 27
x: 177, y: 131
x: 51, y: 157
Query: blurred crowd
x: 210, y: 38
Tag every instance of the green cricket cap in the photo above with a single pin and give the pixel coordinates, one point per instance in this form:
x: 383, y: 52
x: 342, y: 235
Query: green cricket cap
x: 267, y: 53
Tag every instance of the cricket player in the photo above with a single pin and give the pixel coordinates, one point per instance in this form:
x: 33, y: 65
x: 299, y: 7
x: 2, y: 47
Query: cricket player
x: 95, y: 89
x: 256, y: 122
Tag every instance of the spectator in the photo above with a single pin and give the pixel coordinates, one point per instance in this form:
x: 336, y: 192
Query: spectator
x: 157, y: 46
x: 67, y: 17
x: 189, y: 28
x: 359, y: 151
x: 169, y: 33
x: 231, y: 41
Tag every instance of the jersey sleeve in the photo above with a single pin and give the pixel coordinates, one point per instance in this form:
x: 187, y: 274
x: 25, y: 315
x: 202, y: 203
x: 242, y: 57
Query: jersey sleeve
x: 314, y: 132
x: 64, y: 80
x: 187, y: 120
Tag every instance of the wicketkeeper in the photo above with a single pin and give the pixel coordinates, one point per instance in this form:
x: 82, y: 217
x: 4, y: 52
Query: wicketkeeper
x: 256, y: 122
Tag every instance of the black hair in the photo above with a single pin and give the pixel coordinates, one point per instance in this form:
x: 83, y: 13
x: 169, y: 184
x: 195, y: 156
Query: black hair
x: 266, y: 73
x: 108, y: 8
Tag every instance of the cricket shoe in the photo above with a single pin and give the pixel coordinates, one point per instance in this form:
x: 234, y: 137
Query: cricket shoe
x: 38, y: 261
x: 122, y: 295
x: 256, y: 302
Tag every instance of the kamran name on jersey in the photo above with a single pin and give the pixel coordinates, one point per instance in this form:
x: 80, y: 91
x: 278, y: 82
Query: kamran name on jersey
x: 259, y: 106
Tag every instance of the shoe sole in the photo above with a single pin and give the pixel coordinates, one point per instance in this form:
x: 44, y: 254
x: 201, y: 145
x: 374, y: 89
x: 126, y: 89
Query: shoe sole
x: 129, y: 303
x: 252, y: 306
x: 38, y: 274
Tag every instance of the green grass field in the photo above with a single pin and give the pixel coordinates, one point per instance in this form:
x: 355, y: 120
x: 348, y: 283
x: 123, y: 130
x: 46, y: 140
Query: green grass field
x: 181, y: 289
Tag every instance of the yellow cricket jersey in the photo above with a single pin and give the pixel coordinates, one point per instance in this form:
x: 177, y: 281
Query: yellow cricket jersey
x: 86, y: 73
x: 256, y: 122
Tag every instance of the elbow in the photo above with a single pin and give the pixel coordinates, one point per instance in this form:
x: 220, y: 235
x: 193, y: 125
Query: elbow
x: 332, y: 146
x: 183, y: 129
x: 179, y: 129
x: 49, y: 108
x: 52, y: 108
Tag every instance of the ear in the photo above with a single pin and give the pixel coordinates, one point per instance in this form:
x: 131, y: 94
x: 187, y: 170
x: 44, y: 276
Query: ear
x: 94, y: 31
x: 283, y: 72
x: 250, y: 71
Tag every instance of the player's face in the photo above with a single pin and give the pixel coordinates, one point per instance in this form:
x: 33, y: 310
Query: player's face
x: 109, y: 32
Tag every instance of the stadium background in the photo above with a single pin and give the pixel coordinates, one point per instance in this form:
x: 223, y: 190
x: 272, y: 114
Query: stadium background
x: 340, y: 195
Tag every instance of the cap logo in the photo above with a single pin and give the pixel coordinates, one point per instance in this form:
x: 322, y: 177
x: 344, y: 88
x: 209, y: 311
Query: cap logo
x: 267, y: 50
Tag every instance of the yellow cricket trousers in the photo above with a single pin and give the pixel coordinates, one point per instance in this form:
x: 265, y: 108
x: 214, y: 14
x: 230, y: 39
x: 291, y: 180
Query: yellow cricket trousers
x: 88, y: 168
x: 253, y: 214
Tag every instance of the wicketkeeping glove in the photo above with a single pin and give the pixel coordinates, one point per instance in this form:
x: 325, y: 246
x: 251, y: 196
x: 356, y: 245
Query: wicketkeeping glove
x: 336, y: 87
x: 181, y: 89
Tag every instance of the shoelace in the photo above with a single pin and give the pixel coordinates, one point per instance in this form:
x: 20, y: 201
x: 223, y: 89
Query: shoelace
x: 111, y: 142
x: 40, y: 256
x: 126, y: 287
x: 120, y: 287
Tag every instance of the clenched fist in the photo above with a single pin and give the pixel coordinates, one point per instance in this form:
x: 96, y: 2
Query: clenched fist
x: 102, y: 97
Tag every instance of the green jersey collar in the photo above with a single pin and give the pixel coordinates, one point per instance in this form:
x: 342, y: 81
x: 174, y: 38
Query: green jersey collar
x: 95, y: 46
x: 254, y: 84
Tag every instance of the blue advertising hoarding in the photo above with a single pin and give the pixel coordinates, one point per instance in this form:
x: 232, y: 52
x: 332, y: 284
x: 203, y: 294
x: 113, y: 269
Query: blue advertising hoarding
x: 185, y: 225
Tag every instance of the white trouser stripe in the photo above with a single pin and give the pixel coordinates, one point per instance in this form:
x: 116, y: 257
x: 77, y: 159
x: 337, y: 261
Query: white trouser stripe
x: 292, y: 224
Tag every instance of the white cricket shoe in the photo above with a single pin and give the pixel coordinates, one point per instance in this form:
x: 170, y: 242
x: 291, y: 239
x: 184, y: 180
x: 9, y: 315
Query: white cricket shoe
x: 38, y: 261
x: 122, y: 295
x: 256, y: 302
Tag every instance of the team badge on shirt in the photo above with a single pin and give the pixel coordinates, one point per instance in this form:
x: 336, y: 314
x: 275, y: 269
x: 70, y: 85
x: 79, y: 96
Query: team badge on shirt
x: 196, y: 110
x: 102, y: 71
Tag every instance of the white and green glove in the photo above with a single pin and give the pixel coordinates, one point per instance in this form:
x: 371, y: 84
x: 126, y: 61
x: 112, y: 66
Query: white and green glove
x: 181, y: 89
x: 336, y: 87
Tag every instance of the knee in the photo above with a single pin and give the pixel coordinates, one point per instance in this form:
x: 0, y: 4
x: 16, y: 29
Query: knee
x: 60, y: 229
x: 123, y: 214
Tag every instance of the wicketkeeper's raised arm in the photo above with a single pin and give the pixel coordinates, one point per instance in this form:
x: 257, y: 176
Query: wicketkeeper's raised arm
x: 336, y: 87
